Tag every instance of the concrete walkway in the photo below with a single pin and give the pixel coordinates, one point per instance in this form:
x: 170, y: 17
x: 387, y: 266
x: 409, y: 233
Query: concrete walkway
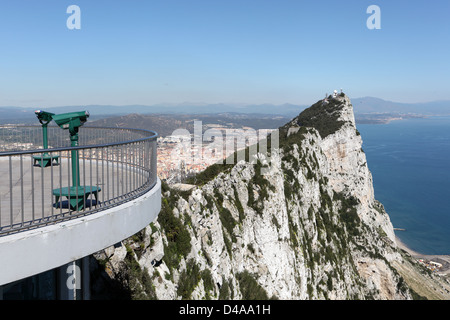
x: 26, y: 190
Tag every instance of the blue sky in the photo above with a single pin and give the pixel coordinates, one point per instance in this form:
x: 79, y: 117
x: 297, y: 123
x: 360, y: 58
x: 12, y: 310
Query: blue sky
x: 246, y: 51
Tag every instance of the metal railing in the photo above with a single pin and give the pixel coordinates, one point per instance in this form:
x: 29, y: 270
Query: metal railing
x: 43, y: 186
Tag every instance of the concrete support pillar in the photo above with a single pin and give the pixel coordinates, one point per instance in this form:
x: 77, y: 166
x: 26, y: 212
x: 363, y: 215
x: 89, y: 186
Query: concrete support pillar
x: 85, y: 278
x: 67, y: 280
x: 73, y: 280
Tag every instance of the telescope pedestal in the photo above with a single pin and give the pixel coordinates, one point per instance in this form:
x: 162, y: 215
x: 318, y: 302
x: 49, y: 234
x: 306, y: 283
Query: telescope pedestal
x: 45, y: 160
x: 76, y: 196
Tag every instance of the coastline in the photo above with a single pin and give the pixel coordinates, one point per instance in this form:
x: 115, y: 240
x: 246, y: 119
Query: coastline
x: 444, y: 259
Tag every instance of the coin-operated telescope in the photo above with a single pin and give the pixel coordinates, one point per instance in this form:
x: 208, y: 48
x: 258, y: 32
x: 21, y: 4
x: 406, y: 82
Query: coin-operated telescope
x: 72, y: 121
x: 76, y: 194
x: 44, y: 118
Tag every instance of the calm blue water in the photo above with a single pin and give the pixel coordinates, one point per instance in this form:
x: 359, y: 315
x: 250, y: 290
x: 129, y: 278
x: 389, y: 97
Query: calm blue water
x: 410, y: 164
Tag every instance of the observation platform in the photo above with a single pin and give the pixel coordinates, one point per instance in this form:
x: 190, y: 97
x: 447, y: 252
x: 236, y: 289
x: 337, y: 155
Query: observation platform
x: 46, y: 222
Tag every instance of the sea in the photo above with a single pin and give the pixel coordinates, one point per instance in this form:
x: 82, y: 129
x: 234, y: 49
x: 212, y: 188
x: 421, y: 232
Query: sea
x: 410, y: 164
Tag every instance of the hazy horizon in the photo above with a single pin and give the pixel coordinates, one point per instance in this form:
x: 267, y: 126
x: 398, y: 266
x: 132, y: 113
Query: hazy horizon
x: 242, y: 104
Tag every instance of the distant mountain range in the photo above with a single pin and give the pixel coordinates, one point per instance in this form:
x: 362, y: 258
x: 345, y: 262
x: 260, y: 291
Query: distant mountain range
x: 365, y: 105
x: 376, y: 105
x: 9, y: 113
x: 165, y: 124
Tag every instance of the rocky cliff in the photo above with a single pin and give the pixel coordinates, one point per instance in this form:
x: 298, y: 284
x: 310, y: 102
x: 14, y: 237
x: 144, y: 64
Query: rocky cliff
x: 308, y: 228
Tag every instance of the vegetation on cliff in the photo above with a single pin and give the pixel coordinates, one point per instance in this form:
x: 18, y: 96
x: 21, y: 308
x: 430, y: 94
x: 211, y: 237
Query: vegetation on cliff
x: 240, y: 234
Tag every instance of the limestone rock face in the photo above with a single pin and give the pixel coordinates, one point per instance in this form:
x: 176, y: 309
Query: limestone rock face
x: 349, y: 171
x: 298, y: 223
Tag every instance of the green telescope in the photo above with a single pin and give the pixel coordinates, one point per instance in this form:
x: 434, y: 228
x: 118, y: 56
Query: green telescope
x: 76, y: 194
x: 44, y: 118
x: 44, y: 159
x: 72, y: 121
